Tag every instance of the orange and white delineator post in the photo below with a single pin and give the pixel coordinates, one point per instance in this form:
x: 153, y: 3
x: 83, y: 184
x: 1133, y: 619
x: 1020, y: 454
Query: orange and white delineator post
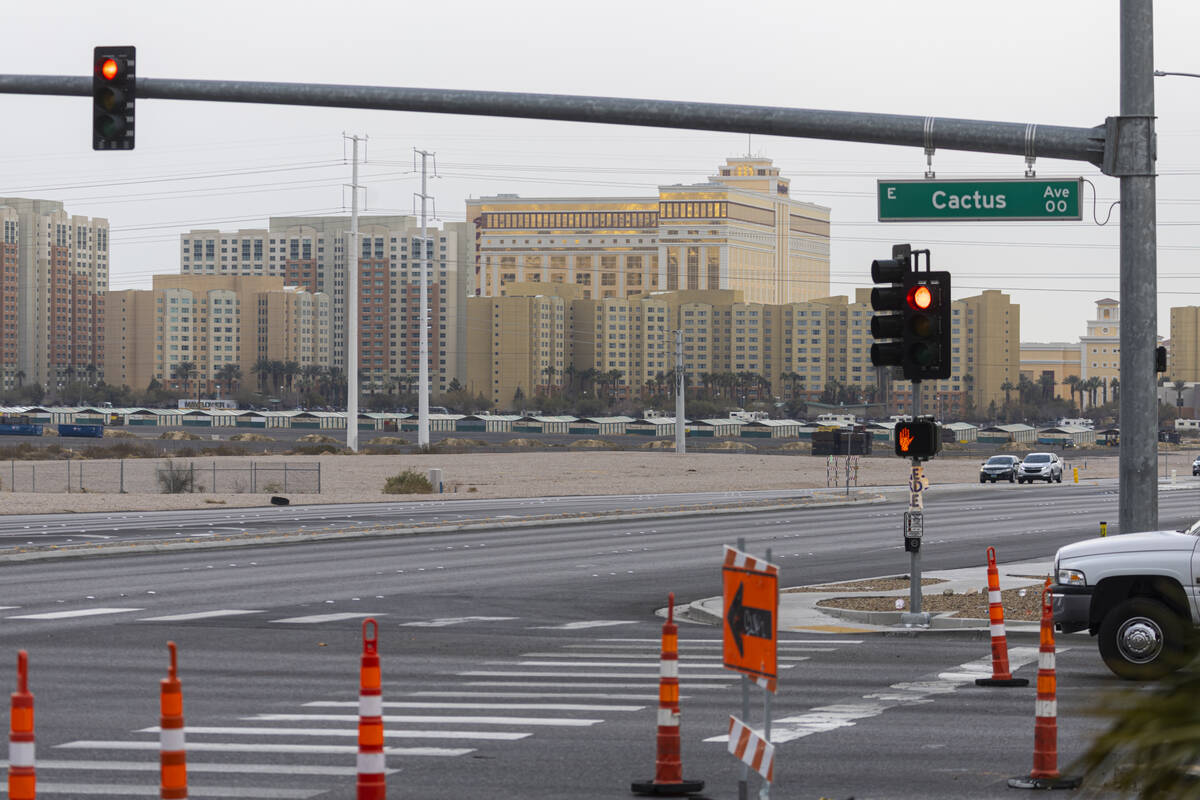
x: 1001, y: 676
x: 668, y: 771
x: 172, y: 753
x: 752, y: 748
x: 1045, y: 774
x: 22, y: 775
x: 372, y: 772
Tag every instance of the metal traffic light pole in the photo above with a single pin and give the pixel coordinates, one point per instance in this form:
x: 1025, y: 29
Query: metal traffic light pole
x: 916, y: 505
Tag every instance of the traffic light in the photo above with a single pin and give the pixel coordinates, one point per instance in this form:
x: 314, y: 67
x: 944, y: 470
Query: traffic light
x: 113, y: 91
x: 887, y: 299
x: 918, y: 438
x: 1160, y: 359
x: 925, y: 353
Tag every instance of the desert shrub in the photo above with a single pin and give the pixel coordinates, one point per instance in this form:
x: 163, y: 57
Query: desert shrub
x: 175, y: 478
x: 408, y: 482
x: 225, y: 450
x: 314, y: 449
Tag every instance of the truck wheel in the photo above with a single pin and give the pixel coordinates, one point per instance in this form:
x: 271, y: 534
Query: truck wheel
x: 1143, y: 640
x: 1011, y: 478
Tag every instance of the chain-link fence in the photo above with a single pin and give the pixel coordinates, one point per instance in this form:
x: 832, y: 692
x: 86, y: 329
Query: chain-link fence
x: 148, y: 476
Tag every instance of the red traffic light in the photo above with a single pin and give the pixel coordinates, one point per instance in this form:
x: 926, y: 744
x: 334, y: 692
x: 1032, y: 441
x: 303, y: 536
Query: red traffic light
x: 919, y: 438
x: 920, y: 297
x: 110, y: 69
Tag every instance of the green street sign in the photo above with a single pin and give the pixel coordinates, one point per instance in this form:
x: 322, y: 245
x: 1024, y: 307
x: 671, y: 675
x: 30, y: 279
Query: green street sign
x: 982, y: 199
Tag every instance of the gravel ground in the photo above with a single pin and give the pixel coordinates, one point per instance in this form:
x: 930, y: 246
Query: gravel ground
x: 1019, y: 604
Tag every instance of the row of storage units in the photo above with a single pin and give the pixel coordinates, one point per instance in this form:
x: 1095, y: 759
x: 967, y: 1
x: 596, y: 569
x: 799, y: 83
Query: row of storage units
x: 880, y: 432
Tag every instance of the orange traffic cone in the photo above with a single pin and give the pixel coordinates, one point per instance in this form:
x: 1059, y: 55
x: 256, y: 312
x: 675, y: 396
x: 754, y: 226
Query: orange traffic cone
x: 668, y: 770
x: 372, y: 777
x: 1045, y: 773
x: 172, y: 754
x: 1000, y: 672
x: 22, y: 775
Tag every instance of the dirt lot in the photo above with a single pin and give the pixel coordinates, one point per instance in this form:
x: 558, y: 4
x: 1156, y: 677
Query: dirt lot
x: 245, y: 480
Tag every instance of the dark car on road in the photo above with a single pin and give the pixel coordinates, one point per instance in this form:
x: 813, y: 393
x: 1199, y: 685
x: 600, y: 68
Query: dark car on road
x: 999, y: 468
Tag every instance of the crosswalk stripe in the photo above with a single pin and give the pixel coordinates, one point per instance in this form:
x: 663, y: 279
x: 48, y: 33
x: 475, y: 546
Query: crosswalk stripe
x: 315, y: 618
x: 195, y: 792
x: 682, y: 661
x: 486, y: 673
x: 647, y: 682
x: 579, y: 626
x: 78, y: 612
x: 478, y: 706
x: 196, y: 730
x: 224, y: 612
x: 446, y: 621
x: 553, y: 722
x: 195, y: 766
x: 683, y: 665
x: 266, y: 747
x: 631, y: 650
x: 782, y: 643
x: 563, y: 695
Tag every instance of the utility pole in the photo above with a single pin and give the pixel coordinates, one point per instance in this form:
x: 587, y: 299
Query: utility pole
x: 1133, y: 163
x: 423, y: 369
x: 352, y: 311
x: 680, y: 390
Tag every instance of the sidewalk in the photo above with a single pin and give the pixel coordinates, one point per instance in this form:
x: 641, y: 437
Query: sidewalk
x: 798, y: 611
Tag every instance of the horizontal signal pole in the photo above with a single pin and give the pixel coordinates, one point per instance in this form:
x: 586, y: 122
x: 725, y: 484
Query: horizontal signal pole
x: 1010, y: 138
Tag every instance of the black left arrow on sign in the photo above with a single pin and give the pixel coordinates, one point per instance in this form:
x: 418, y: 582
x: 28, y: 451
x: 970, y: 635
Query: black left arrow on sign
x: 746, y: 620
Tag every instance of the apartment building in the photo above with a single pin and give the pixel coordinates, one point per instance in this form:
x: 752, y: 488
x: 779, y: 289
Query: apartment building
x: 214, y: 323
x: 54, y: 270
x: 739, y: 231
x: 1183, y: 353
x: 311, y: 253
x: 798, y: 349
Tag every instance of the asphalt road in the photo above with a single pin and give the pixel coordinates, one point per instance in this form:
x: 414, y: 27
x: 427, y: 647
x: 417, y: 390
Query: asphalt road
x: 523, y: 662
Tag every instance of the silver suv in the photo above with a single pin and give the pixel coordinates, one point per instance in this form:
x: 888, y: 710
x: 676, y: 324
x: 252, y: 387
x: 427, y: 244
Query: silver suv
x: 1040, y: 467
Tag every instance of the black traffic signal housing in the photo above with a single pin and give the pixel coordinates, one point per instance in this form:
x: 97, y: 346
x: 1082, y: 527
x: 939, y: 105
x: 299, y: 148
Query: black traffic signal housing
x: 113, y: 92
x: 918, y: 438
x: 1160, y: 359
x: 926, y: 327
x: 887, y: 300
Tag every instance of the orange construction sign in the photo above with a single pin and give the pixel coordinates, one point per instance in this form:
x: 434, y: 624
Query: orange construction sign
x: 751, y: 604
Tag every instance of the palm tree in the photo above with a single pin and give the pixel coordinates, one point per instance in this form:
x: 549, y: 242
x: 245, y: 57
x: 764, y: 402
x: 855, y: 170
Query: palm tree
x: 550, y: 371
x: 1115, y: 384
x: 1073, y: 381
x: 262, y: 368
x: 1007, y: 388
x: 1025, y: 388
x: 1046, y: 381
x: 20, y: 376
x: 1092, y: 384
x: 229, y: 375
x: 1179, y: 386
x: 290, y: 370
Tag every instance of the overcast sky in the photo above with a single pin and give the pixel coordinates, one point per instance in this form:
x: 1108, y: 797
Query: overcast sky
x: 232, y: 166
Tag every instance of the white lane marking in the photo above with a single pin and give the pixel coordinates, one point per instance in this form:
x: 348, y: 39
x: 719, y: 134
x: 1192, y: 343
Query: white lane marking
x: 5, y: 608
x: 648, y: 697
x: 79, y: 612
x: 315, y: 618
x: 193, y: 766
x: 126, y: 790
x: 828, y: 718
x: 551, y: 722
x: 223, y: 612
x: 486, y: 673
x: 782, y: 643
x: 682, y: 659
x: 638, y: 664
x: 223, y: 730
x: 446, y: 621
x: 263, y: 747
x: 645, y: 684
x: 578, y: 626
x: 477, y: 706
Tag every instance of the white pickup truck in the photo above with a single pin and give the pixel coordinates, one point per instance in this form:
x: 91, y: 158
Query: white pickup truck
x: 1137, y: 593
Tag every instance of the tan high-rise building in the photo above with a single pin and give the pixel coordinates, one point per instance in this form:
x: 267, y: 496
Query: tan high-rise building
x: 54, y: 271
x: 1183, y: 354
x: 215, y: 323
x: 798, y: 349
x: 740, y: 231
x: 310, y: 252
